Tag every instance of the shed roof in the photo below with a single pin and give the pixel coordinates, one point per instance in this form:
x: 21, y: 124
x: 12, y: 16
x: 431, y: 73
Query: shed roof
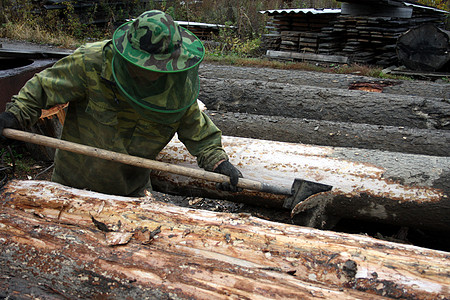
x: 338, y: 10
x: 202, y: 25
x: 313, y: 11
x: 425, y: 7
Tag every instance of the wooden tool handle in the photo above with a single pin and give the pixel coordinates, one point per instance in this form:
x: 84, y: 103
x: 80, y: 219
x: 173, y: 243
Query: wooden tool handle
x: 137, y: 161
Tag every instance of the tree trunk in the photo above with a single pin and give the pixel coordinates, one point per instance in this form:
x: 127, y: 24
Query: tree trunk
x: 61, y: 243
x: 336, y: 134
x: 330, y: 81
x: 387, y: 187
x: 338, y: 105
x: 426, y: 48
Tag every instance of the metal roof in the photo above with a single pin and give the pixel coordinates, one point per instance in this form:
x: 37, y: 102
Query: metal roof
x: 337, y: 10
x: 203, y: 25
x: 314, y: 11
x: 425, y: 7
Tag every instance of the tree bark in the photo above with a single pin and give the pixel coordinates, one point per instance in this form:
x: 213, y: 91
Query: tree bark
x: 60, y: 243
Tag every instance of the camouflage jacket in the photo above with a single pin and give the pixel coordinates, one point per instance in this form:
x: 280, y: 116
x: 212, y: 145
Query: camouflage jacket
x: 99, y: 116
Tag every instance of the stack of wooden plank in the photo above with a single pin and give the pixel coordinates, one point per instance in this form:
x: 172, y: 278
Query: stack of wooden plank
x: 371, y: 39
x: 362, y: 32
x: 300, y: 32
x: 290, y: 41
x: 271, y: 41
x: 330, y: 39
x: 367, y: 39
x: 309, y: 42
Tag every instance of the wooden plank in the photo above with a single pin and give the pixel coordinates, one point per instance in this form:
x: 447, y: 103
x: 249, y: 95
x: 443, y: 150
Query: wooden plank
x: 307, y: 56
x: 308, y: 40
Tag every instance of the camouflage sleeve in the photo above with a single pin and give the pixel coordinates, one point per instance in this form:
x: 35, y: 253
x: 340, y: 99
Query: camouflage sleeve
x: 201, y: 137
x: 61, y: 83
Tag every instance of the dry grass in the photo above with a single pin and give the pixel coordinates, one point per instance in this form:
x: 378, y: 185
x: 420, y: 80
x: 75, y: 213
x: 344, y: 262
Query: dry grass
x: 35, y: 34
x: 363, y: 70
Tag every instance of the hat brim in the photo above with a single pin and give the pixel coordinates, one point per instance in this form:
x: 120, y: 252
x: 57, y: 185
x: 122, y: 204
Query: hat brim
x: 189, y: 55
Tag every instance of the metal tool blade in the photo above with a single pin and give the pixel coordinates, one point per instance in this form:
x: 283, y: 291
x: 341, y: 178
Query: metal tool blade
x: 302, y: 189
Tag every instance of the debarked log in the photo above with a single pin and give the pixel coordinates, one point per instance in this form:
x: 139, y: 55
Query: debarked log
x: 318, y: 103
x: 378, y: 186
x: 338, y: 134
x: 59, y: 242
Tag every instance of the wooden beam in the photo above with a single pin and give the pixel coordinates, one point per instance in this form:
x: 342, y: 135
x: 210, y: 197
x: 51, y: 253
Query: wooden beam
x: 67, y: 243
x: 307, y: 56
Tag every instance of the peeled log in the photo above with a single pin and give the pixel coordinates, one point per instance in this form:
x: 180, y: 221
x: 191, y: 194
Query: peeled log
x: 387, y: 187
x: 425, y: 48
x: 52, y: 247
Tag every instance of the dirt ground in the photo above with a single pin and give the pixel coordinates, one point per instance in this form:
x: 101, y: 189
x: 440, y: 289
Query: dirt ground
x: 331, y: 83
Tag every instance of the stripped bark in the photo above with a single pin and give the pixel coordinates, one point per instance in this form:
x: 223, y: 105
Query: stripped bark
x: 61, y: 242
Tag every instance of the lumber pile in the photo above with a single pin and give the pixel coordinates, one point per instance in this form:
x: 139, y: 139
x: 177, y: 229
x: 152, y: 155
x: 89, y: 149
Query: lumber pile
x: 373, y: 39
x: 59, y: 242
x: 299, y: 32
x: 365, y: 31
x: 368, y: 40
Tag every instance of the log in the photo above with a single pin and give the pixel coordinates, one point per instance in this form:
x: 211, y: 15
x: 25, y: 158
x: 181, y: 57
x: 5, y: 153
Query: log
x: 59, y: 242
x: 335, y: 134
x: 425, y: 48
x: 323, y: 80
x: 290, y: 100
x: 383, y: 187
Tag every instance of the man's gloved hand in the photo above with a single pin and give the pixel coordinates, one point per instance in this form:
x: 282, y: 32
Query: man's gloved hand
x: 228, y: 169
x: 7, y: 120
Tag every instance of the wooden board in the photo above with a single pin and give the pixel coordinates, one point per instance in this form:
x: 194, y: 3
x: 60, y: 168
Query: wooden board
x: 307, y: 56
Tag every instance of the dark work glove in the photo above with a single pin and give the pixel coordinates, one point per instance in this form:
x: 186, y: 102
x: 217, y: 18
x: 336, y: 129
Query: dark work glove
x: 228, y: 169
x: 7, y: 120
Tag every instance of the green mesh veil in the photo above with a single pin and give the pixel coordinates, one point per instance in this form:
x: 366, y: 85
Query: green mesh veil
x: 166, y: 93
x: 155, y: 66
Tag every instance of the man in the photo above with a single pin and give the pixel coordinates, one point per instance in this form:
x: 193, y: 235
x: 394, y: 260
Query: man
x: 130, y: 95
